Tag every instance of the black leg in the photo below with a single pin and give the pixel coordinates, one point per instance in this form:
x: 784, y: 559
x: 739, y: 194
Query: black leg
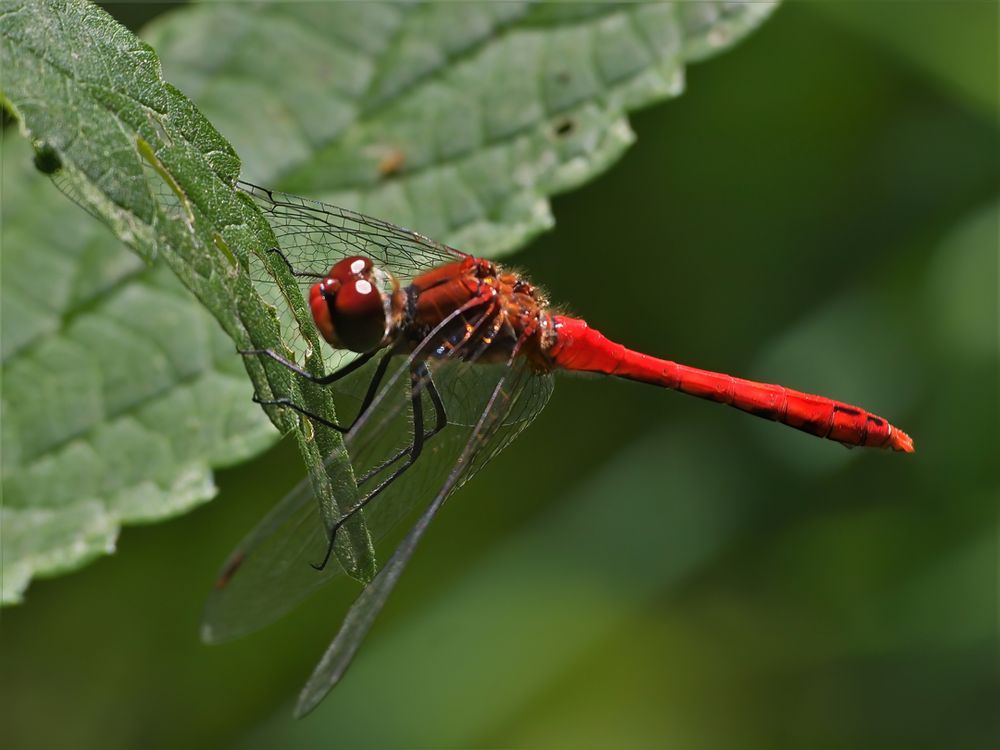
x: 495, y: 322
x: 291, y: 268
x: 319, y: 380
x: 287, y: 403
x: 419, y: 438
x: 440, y: 416
x: 373, y: 385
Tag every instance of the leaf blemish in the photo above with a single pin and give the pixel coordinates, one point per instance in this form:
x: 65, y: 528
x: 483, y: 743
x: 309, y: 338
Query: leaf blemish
x: 564, y: 127
x: 391, y: 162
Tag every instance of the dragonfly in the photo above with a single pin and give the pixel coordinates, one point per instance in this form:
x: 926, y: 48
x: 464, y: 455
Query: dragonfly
x: 443, y: 358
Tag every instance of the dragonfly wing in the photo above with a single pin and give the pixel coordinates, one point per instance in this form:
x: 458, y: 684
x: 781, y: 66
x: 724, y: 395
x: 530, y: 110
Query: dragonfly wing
x: 315, y: 235
x: 270, y: 571
x: 515, y: 397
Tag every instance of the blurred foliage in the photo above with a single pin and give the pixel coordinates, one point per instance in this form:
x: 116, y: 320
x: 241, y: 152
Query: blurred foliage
x: 641, y: 569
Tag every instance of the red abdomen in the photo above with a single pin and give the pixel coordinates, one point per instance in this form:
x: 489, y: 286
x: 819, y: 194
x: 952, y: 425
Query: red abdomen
x: 579, y: 347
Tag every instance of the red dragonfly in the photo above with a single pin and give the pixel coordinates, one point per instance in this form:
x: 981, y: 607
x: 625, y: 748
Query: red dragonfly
x: 450, y: 356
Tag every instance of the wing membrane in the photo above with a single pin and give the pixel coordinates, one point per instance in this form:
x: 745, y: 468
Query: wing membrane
x: 271, y: 571
x: 513, y: 402
x: 315, y: 235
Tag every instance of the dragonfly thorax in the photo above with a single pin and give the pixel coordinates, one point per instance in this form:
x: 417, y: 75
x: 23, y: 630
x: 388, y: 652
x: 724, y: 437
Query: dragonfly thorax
x: 475, y: 310
x: 353, y: 306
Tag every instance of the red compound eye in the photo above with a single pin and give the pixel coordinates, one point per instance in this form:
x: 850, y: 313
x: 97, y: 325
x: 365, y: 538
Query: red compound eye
x: 353, y: 267
x: 348, y: 306
x: 358, y: 314
x: 319, y: 305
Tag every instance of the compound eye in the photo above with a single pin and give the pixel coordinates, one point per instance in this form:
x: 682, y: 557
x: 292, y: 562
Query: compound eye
x: 319, y: 303
x: 352, y: 267
x: 358, y: 315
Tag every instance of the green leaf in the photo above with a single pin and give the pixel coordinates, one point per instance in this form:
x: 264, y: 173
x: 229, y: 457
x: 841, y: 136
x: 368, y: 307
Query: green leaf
x: 460, y: 120
x: 97, y: 412
x: 101, y: 355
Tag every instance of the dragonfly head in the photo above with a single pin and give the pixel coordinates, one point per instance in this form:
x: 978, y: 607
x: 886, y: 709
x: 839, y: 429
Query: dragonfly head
x: 353, y: 305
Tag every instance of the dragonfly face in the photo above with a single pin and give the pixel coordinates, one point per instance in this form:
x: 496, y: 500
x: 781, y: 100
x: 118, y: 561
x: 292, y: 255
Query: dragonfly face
x: 356, y: 305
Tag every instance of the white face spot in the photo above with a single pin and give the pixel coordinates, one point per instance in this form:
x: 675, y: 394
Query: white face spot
x: 361, y: 286
x: 357, y: 267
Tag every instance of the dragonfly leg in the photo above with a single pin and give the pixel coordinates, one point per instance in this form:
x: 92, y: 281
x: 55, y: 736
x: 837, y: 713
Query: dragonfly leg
x: 417, y: 374
x: 291, y: 269
x: 373, y: 385
x: 489, y: 320
x: 440, y: 417
x: 318, y: 379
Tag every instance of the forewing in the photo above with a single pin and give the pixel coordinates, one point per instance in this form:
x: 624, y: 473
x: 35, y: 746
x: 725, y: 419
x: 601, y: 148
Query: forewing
x: 315, y: 235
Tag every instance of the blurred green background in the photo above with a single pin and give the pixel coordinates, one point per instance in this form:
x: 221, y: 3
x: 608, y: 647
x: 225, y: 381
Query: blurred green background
x: 820, y: 208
